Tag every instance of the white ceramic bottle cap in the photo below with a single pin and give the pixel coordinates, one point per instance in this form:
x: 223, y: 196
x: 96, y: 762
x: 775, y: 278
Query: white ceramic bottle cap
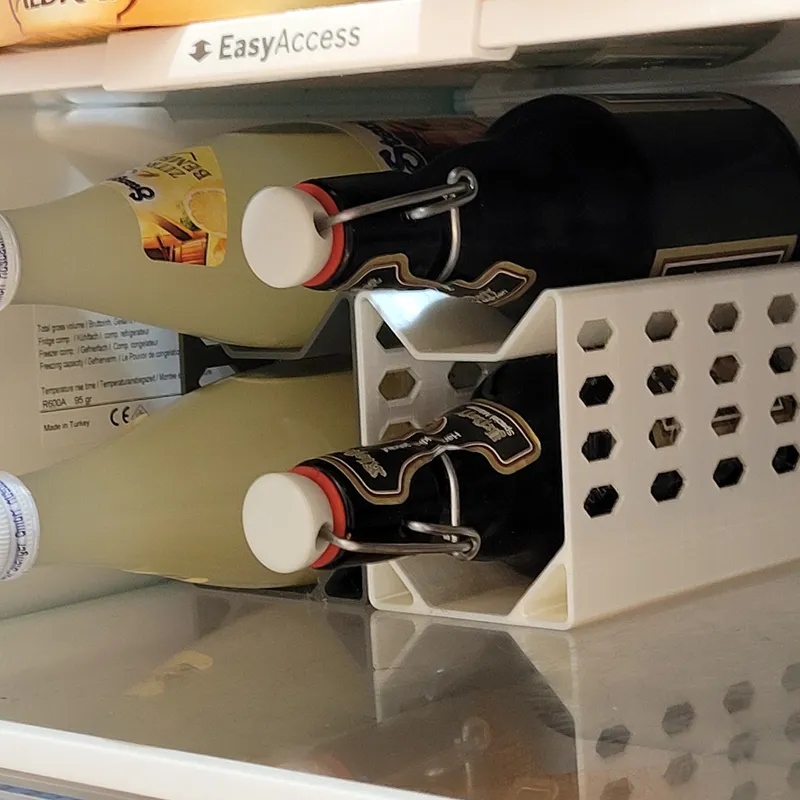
x: 282, y: 517
x: 9, y: 263
x: 280, y: 238
x: 19, y: 528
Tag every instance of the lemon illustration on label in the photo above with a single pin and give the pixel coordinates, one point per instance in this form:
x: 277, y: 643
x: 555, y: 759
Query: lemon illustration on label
x: 181, y: 205
x: 208, y: 210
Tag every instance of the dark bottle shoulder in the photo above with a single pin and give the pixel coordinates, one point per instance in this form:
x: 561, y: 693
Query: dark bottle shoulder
x: 523, y: 385
x: 551, y: 111
x: 567, y: 139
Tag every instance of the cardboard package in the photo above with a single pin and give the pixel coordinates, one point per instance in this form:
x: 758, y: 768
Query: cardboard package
x: 36, y: 22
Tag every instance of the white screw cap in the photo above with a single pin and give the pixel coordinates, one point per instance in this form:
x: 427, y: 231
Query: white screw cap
x: 9, y: 263
x: 280, y: 238
x: 19, y: 528
x: 282, y: 516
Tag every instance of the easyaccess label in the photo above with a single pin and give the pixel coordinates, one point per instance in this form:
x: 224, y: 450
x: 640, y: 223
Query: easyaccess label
x: 318, y: 41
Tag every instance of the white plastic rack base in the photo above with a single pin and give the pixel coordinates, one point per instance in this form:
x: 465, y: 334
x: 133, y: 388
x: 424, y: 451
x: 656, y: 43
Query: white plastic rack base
x: 700, y: 419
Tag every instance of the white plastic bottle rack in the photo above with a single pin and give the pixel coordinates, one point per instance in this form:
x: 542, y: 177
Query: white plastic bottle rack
x: 694, y: 402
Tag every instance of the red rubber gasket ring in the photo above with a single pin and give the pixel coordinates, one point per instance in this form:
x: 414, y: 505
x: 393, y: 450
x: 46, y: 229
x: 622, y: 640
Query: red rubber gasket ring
x: 337, y: 508
x: 337, y: 234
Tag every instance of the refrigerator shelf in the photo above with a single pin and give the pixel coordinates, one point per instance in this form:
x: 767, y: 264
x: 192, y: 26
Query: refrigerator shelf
x: 425, y: 42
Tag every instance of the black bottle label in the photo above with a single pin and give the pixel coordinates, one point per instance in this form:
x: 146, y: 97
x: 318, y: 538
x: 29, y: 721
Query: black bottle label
x: 500, y: 284
x: 723, y: 255
x: 382, y: 473
x: 650, y: 103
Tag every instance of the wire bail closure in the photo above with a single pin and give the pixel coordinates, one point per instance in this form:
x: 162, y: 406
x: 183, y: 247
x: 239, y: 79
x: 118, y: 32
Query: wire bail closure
x: 454, y: 539
x: 461, y: 188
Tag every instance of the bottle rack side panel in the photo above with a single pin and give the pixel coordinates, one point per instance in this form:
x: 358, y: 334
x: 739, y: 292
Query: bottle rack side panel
x: 679, y: 406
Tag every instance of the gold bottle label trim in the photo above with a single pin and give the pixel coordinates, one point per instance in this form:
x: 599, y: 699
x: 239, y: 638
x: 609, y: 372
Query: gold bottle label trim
x: 723, y: 255
x: 382, y: 473
x: 498, y: 285
x: 181, y: 205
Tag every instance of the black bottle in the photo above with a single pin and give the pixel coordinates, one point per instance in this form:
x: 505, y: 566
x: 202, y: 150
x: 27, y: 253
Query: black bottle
x: 502, y: 449
x: 570, y: 190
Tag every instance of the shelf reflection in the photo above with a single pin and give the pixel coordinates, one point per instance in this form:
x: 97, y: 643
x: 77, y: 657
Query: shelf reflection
x: 693, y: 699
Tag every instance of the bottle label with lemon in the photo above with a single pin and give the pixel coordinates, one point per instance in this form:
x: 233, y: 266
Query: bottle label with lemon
x: 181, y: 206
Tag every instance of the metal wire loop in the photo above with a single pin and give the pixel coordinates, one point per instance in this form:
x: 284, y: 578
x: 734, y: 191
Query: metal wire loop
x: 461, y: 188
x: 454, y: 539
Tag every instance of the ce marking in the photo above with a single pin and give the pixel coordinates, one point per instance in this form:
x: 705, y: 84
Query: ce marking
x: 120, y: 415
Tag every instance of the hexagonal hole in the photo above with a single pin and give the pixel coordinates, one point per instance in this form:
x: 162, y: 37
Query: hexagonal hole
x: 680, y: 770
x: 742, y: 747
x: 596, y: 390
x: 600, y: 500
x: 782, y: 359
x: 612, y: 741
x: 739, y: 697
x: 723, y: 317
x: 662, y: 379
x: 785, y: 459
x: 728, y: 472
x: 397, y: 430
x: 616, y: 790
x: 792, y: 728
x: 598, y: 445
x: 745, y: 791
x: 594, y: 335
x: 790, y: 680
x: 678, y: 719
x: 782, y: 309
x: 464, y: 376
x: 724, y: 369
x: 387, y: 338
x: 726, y: 420
x: 666, y: 486
x: 665, y: 432
x: 661, y: 326
x: 784, y: 409
x: 397, y: 384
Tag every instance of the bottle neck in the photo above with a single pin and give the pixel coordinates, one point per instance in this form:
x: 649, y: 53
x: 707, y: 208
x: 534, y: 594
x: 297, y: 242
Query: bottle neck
x: 364, y: 532
x: 378, y: 238
x: 474, y: 474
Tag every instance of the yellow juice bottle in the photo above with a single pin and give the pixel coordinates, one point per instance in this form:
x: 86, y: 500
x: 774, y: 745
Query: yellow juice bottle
x: 161, y: 244
x: 166, y: 496
x: 153, y: 245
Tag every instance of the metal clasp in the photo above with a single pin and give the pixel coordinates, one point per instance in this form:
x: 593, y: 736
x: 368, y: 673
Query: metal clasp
x: 461, y: 188
x: 454, y: 539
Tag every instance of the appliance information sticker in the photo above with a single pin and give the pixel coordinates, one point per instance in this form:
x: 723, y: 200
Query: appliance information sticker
x: 98, y: 374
